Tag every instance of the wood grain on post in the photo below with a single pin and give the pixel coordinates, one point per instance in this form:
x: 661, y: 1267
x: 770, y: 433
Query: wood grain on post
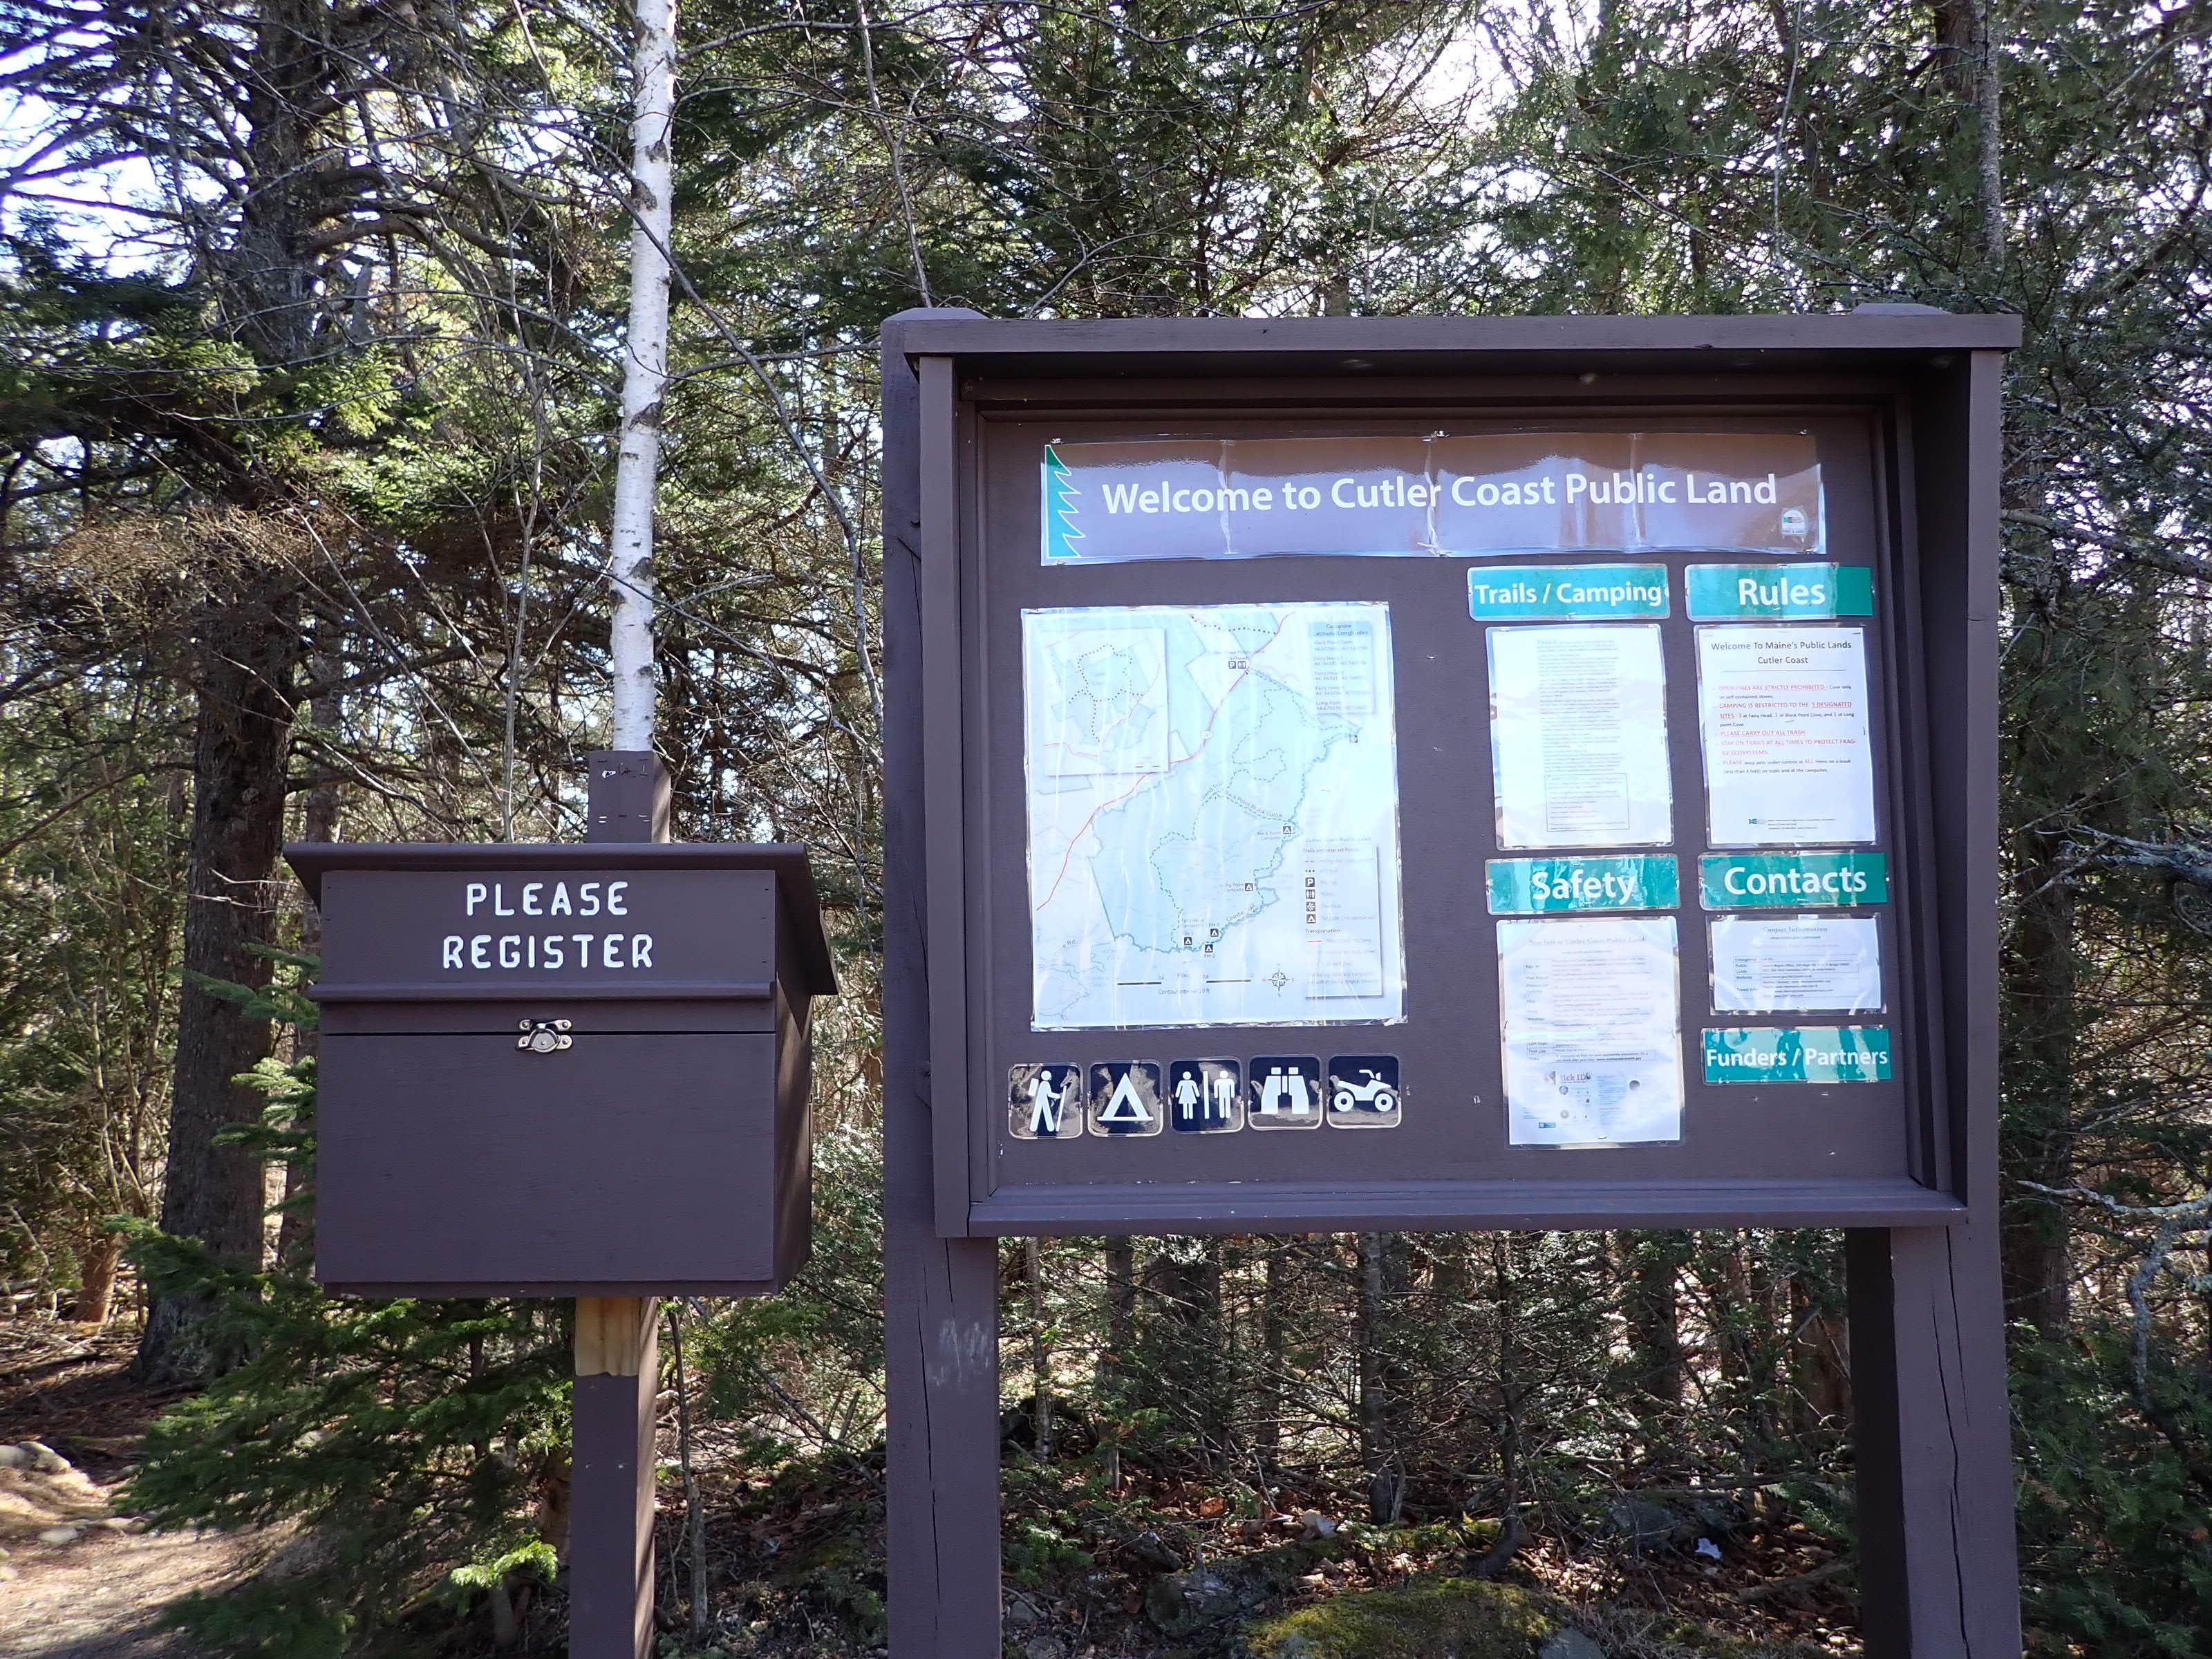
x: 613, y: 1333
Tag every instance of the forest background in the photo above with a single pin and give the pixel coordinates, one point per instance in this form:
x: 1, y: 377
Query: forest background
x: 313, y: 319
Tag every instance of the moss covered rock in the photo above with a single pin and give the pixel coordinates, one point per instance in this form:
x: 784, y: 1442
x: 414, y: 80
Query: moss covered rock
x: 1429, y: 1619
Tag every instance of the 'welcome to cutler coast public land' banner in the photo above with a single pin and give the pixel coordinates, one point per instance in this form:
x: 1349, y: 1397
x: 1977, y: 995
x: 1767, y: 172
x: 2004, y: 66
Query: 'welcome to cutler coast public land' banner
x: 1443, y: 495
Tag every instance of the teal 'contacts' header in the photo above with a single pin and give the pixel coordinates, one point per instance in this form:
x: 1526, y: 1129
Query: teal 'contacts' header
x: 1746, y: 881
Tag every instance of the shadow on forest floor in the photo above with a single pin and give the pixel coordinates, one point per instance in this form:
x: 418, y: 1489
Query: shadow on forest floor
x: 1159, y: 1565
x: 77, y: 1580
x: 1169, y: 1567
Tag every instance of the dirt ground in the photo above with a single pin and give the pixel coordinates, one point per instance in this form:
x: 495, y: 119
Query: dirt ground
x: 77, y: 1579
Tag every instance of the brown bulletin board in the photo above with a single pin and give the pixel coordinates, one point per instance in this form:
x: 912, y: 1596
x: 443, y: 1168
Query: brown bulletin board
x: 1864, y: 1153
x: 1903, y: 405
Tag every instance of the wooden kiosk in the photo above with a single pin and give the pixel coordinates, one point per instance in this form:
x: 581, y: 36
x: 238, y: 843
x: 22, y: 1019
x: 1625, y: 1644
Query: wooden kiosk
x: 1357, y: 773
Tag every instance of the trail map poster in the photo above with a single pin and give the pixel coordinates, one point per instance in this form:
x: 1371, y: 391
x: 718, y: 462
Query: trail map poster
x: 1212, y: 807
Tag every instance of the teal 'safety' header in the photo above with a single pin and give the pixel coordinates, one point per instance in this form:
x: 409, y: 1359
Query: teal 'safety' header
x: 1629, y: 881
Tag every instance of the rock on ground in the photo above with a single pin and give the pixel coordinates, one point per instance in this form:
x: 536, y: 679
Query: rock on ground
x: 1437, y: 1618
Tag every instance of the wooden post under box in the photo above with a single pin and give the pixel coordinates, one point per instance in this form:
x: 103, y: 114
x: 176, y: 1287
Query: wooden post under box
x: 563, y: 1071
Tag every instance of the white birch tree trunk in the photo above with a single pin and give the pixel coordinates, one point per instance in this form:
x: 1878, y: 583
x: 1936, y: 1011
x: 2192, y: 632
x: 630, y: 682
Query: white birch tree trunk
x: 644, y: 374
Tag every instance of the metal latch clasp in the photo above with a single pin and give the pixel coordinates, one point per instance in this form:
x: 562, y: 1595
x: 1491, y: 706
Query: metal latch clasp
x: 544, y: 1037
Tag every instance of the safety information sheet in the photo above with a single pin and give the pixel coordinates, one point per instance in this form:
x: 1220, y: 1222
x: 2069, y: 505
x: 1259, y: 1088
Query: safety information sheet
x: 1767, y: 964
x: 1213, y: 803
x: 1783, y: 715
x: 1578, y: 736
x: 1590, y: 1011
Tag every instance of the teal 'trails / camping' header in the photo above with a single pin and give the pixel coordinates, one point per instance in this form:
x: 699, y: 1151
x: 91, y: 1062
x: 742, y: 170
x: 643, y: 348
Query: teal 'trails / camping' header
x: 1474, y: 494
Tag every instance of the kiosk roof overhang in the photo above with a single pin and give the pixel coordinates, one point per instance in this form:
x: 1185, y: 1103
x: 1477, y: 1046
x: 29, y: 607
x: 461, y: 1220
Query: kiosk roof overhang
x: 1910, y: 334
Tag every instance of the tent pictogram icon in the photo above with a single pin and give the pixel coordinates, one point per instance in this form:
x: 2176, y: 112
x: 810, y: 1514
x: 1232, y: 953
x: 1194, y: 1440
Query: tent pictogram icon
x: 1125, y: 1098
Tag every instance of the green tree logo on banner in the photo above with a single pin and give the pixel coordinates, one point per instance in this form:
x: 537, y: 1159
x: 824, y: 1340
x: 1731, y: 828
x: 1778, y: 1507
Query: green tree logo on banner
x: 1060, y: 534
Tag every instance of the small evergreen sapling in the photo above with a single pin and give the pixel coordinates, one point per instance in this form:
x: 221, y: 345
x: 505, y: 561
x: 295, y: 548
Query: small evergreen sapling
x: 422, y: 1445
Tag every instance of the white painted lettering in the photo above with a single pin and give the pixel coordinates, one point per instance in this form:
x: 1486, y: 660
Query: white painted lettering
x: 451, y: 957
x: 531, y: 889
x: 560, y: 907
x: 616, y: 904
x: 555, y: 956
x: 476, y: 897
x: 510, y: 950
x: 610, y: 951
x: 587, y: 899
x: 641, y: 949
x: 477, y: 947
x: 498, y: 905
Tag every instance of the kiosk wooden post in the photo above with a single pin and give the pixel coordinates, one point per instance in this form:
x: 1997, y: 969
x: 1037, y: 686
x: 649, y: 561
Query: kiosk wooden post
x: 611, y: 1487
x: 1043, y: 479
x: 617, y: 1347
x: 940, y: 1295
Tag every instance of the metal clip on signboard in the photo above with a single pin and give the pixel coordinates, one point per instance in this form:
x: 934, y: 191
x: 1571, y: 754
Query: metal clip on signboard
x: 573, y: 1072
x: 1564, y: 748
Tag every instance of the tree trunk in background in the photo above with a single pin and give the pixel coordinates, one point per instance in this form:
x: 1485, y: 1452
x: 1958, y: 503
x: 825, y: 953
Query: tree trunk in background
x: 1186, y: 1369
x: 1823, y: 1392
x: 1967, y: 48
x: 1275, y: 1353
x: 319, y: 821
x: 1121, y: 1311
x: 1654, y: 1317
x: 95, y: 1297
x: 1121, y: 1332
x: 1507, y: 1400
x: 2039, y: 975
x: 645, y: 377
x: 249, y: 649
x: 1764, y: 1343
x: 1384, y: 1265
x: 1216, y: 1340
x: 1040, y: 1350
